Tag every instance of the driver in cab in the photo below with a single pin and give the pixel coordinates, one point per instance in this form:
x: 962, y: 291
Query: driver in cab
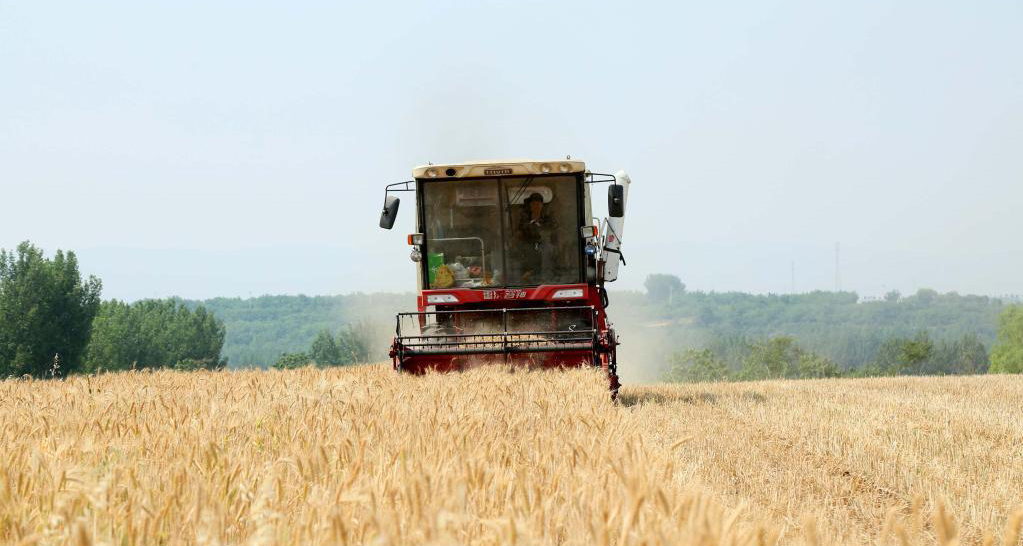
x: 536, y: 230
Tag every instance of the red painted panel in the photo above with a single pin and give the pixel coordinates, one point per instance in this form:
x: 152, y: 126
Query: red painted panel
x: 484, y: 295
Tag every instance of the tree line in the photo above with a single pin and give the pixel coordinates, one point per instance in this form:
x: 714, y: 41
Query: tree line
x: 667, y: 319
x: 53, y: 323
x: 154, y: 334
x: 781, y: 357
x: 736, y: 336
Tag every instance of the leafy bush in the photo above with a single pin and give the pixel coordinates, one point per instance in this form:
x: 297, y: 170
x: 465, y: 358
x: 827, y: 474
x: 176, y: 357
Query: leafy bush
x: 291, y: 361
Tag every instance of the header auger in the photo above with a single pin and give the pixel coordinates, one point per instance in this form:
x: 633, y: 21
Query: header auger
x: 511, y: 266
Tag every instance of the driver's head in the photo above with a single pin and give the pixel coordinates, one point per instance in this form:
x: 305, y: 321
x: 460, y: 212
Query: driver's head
x: 535, y: 203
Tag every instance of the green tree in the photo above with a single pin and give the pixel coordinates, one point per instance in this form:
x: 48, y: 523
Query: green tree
x: 1007, y: 355
x: 915, y: 352
x: 154, y: 334
x: 354, y: 342
x: 697, y: 365
x: 926, y: 296
x: 966, y: 355
x: 811, y: 365
x: 773, y: 358
x: 291, y: 361
x: 325, y: 350
x: 905, y: 356
x: 46, y: 310
x: 662, y: 288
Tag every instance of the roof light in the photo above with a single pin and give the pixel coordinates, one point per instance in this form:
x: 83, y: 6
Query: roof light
x: 567, y: 293
x: 564, y: 167
x: 432, y: 173
x: 545, y: 168
x: 441, y: 298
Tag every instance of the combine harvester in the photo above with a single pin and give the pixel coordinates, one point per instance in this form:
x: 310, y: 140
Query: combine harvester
x: 511, y: 266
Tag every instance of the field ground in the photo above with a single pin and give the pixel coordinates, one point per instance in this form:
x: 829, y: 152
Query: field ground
x: 364, y: 456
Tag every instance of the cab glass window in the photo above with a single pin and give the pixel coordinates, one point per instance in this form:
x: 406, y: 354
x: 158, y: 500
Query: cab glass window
x: 463, y: 233
x: 541, y: 224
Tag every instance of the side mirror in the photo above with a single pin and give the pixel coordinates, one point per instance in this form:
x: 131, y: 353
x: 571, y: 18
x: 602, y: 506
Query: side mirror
x: 390, y: 212
x: 616, y: 201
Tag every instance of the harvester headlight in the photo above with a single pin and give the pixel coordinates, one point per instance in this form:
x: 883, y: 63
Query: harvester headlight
x: 564, y: 167
x: 416, y: 255
x: 415, y: 239
x: 545, y: 168
x: 432, y: 173
x: 567, y: 293
x: 441, y: 298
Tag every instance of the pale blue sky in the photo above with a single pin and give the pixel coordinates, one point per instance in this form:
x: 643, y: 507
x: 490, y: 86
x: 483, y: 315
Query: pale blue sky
x: 240, y: 148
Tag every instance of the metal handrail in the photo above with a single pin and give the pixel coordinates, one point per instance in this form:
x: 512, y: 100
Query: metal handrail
x: 498, y: 342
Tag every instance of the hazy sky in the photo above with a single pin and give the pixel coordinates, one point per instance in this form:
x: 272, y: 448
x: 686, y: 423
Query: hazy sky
x: 240, y: 148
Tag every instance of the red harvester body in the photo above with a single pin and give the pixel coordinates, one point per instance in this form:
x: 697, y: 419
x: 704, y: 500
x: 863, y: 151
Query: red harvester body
x: 511, y: 267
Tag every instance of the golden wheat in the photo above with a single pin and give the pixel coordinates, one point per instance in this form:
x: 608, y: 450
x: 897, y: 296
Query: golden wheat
x: 365, y: 456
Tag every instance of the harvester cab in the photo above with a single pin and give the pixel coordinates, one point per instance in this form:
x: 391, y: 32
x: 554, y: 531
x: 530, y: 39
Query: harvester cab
x: 511, y: 266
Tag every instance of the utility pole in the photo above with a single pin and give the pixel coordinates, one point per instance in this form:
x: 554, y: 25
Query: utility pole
x: 792, y: 265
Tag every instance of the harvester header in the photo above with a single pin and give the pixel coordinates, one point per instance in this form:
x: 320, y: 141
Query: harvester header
x: 510, y: 266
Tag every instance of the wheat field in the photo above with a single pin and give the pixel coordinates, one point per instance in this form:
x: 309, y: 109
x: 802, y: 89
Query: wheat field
x: 362, y: 455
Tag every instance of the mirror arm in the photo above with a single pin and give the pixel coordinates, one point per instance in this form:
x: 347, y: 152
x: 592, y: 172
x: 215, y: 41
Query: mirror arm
x: 591, y: 178
x: 388, y: 188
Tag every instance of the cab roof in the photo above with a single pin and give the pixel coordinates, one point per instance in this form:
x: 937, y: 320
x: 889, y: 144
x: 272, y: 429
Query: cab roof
x: 513, y: 167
